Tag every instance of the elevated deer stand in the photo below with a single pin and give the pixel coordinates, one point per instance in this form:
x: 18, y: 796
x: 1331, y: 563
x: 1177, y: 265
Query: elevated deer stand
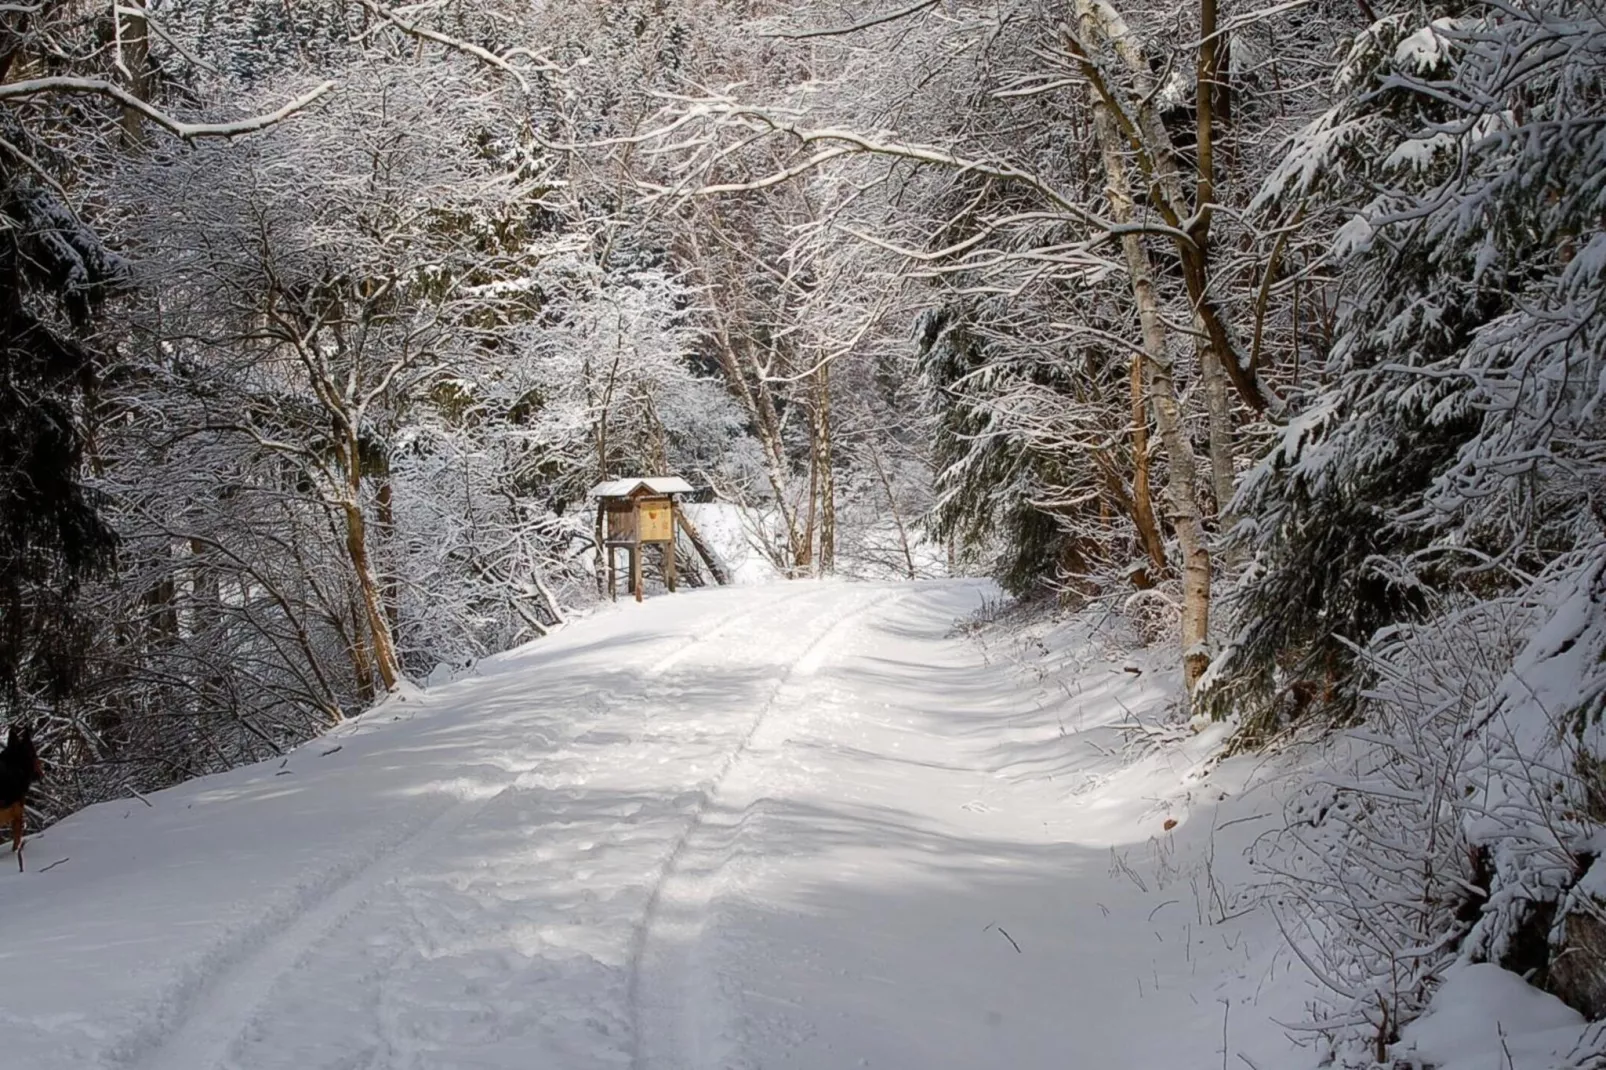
x: 635, y: 512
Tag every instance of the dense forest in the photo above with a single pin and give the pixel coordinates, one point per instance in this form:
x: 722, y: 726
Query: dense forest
x: 1274, y: 327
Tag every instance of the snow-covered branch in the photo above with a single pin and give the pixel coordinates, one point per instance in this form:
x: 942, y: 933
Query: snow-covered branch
x: 35, y: 87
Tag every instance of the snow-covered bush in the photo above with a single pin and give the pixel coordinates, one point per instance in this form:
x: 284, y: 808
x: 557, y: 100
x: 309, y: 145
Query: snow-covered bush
x: 1427, y: 534
x: 1463, y: 822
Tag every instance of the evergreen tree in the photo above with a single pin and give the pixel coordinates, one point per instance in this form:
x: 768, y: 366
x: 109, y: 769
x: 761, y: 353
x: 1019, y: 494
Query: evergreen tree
x: 1456, y: 450
x: 54, y: 273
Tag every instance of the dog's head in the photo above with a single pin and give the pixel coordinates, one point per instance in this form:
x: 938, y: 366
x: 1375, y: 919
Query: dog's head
x: 21, y: 750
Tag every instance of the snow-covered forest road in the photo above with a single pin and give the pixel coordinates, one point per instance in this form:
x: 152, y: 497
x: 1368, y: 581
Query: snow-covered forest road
x: 799, y: 825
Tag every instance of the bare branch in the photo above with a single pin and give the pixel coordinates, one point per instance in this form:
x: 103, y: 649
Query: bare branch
x: 35, y: 87
x: 878, y: 20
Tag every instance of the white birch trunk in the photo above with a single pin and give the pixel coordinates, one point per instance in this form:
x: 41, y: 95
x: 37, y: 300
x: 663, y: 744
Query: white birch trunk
x: 1182, y: 467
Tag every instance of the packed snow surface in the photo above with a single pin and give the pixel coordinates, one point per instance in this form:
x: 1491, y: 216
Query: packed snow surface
x: 801, y: 825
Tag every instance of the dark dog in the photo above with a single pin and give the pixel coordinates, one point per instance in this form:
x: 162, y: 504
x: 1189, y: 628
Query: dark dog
x: 20, y: 767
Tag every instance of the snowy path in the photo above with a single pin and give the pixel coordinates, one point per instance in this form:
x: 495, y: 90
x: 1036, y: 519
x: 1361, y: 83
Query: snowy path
x: 798, y: 825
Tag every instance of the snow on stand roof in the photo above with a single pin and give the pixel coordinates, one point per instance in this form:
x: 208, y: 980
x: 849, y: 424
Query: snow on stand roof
x: 619, y: 488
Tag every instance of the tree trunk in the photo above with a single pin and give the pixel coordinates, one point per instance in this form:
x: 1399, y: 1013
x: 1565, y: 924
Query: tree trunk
x: 1218, y: 409
x: 803, y: 560
x: 390, y: 585
x: 381, y: 643
x: 381, y: 640
x: 1182, y: 466
x: 133, y: 58
x: 1142, y: 496
x: 823, y: 464
x: 1211, y: 357
x: 893, y: 510
x: 362, y: 663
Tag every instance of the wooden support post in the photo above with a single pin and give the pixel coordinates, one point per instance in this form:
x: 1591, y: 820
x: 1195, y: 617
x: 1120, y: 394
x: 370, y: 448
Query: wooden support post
x: 600, y: 532
x: 613, y: 582
x: 635, y: 568
x: 669, y: 563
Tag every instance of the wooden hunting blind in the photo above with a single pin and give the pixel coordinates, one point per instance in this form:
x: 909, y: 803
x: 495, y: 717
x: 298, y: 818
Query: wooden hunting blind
x: 635, y: 512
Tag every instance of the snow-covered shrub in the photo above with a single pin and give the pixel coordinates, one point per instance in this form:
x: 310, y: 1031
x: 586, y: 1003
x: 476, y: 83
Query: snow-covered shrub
x: 1428, y: 535
x: 1155, y: 613
x: 1462, y: 823
x: 480, y: 563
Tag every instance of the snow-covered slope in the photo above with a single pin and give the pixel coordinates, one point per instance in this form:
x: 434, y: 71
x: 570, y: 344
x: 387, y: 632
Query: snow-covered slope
x: 797, y: 825
x: 729, y: 535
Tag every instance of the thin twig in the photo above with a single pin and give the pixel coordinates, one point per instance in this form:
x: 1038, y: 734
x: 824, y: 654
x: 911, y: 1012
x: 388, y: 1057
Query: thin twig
x: 876, y: 20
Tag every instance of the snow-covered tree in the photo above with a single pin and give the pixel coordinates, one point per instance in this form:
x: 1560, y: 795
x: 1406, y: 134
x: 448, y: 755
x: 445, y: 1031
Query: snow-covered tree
x: 75, y: 89
x: 1427, y: 533
x: 1063, y: 175
x: 1452, y: 445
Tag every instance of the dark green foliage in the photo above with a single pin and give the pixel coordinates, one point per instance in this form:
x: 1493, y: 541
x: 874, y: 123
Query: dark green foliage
x: 53, y: 273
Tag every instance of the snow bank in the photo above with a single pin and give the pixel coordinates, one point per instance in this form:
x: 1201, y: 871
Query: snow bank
x: 1484, y: 1018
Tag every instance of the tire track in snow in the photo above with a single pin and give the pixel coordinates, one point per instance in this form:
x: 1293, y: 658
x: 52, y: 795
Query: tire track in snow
x: 215, y: 1021
x: 724, y: 625
x: 231, y: 992
x: 646, y: 1055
